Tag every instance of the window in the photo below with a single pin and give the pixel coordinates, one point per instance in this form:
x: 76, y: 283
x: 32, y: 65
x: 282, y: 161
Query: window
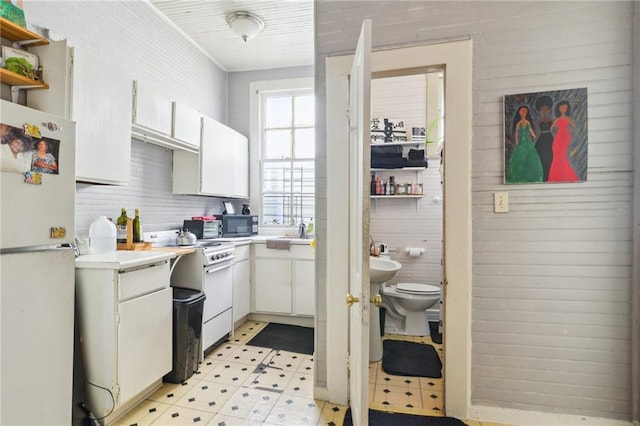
x: 287, y: 156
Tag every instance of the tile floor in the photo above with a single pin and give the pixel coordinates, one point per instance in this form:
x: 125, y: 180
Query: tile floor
x: 239, y: 384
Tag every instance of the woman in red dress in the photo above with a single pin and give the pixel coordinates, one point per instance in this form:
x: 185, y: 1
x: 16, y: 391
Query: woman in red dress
x: 561, y: 169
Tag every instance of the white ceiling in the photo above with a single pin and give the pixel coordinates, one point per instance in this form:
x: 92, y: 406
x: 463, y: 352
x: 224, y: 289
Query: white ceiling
x: 285, y: 41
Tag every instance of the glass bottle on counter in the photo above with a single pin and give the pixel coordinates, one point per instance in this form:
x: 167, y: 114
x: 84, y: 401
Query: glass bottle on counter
x: 121, y: 227
x: 137, y: 228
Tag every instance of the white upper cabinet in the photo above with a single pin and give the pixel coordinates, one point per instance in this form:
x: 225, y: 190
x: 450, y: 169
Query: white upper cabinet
x: 151, y: 110
x: 225, y: 160
x: 221, y: 169
x: 97, y: 96
x: 186, y: 124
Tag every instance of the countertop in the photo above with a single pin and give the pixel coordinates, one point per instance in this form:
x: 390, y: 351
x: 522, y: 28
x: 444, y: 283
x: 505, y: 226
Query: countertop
x: 179, y: 251
x: 262, y: 239
x: 123, y: 259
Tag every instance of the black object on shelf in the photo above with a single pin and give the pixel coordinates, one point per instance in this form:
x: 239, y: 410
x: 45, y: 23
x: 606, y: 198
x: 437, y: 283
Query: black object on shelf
x: 188, y: 306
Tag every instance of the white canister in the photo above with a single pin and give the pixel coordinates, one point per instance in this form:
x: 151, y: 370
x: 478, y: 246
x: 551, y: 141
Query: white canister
x: 102, y: 236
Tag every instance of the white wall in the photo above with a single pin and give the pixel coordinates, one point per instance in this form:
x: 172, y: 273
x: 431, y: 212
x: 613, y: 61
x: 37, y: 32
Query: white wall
x: 239, y: 91
x: 140, y: 41
x: 551, y: 280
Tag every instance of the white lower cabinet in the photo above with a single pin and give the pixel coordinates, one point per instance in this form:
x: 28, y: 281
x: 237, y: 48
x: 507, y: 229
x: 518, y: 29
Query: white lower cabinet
x: 284, y: 281
x: 242, y: 283
x: 126, y: 321
x: 304, y: 287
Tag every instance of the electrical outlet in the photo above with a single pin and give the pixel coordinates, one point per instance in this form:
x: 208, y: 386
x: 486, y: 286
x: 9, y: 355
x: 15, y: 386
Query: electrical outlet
x: 500, y: 202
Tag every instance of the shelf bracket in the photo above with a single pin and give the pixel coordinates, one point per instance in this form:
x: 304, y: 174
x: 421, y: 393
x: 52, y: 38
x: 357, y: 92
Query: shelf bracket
x: 21, y: 43
x: 15, y: 91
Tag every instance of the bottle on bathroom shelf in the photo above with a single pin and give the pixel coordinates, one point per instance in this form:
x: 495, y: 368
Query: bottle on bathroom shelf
x: 373, y: 184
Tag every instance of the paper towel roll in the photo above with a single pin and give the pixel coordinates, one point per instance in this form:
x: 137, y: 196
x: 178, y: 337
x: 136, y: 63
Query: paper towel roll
x: 414, y: 251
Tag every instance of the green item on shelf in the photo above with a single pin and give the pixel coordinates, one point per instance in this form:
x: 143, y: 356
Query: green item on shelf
x: 19, y: 66
x: 12, y: 13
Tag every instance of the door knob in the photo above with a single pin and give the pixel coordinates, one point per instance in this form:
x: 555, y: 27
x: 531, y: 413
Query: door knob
x: 351, y: 300
x: 377, y: 300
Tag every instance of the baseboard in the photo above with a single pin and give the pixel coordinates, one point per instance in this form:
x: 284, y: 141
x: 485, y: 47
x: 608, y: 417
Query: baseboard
x: 536, y: 418
x: 283, y: 319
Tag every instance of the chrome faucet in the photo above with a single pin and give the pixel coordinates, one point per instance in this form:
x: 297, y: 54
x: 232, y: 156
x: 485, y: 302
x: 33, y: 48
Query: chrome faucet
x: 302, y: 231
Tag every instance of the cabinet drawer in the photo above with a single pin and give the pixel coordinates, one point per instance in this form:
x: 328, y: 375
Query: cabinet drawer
x: 296, y: 251
x: 216, y: 328
x: 141, y: 281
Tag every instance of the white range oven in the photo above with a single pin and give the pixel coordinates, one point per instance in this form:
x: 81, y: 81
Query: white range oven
x: 209, y: 269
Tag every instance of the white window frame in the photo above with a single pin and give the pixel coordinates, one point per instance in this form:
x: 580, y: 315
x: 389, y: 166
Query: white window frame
x: 255, y: 176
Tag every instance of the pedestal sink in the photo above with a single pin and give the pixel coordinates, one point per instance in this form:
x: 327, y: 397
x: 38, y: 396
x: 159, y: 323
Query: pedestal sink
x: 381, y: 270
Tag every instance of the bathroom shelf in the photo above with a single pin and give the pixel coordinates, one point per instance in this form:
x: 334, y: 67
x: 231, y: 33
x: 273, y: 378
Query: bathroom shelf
x: 397, y: 196
x: 405, y: 169
x: 398, y: 144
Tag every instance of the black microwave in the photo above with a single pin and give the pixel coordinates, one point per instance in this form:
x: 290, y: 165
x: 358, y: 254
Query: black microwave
x: 235, y: 225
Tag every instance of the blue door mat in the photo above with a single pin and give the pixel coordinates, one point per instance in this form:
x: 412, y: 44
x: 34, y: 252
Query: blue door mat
x: 291, y: 338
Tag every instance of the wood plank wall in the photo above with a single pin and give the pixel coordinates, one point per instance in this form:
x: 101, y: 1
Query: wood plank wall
x: 551, y: 279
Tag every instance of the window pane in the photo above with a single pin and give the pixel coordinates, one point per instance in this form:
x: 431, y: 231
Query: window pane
x: 279, y: 112
x: 305, y: 143
x: 276, y: 177
x: 277, y: 144
x: 304, y: 110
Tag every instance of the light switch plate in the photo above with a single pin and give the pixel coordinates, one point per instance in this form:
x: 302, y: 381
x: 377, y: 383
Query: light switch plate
x: 501, y: 202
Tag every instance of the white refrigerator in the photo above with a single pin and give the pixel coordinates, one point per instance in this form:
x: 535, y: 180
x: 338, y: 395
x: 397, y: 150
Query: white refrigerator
x: 37, y: 195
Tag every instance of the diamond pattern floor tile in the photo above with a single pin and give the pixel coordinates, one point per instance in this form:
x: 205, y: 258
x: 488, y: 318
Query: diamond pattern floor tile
x: 143, y: 414
x: 293, y: 410
x: 251, y: 404
x: 241, y: 385
x: 207, y: 396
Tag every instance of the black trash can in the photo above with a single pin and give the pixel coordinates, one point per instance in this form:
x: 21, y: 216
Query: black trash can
x: 187, y: 331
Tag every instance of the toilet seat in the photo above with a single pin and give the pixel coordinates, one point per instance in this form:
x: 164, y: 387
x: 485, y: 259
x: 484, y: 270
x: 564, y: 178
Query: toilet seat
x: 417, y: 288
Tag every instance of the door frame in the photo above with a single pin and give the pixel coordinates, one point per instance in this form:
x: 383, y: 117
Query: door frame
x: 456, y: 57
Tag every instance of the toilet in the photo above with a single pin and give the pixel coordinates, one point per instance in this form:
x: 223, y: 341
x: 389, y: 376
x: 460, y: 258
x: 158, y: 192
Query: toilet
x: 405, y: 305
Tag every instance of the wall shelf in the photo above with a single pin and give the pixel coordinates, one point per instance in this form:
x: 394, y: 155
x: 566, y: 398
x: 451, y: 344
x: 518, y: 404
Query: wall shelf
x: 20, y: 36
x: 406, y: 169
x: 397, y: 196
x: 409, y: 143
x: 14, y: 79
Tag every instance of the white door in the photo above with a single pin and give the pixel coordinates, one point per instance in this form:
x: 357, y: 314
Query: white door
x: 359, y: 158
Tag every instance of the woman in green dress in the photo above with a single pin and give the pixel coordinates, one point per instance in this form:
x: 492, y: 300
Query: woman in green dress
x: 525, y: 165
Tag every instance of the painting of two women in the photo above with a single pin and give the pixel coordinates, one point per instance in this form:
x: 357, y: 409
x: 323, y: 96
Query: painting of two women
x: 546, y: 136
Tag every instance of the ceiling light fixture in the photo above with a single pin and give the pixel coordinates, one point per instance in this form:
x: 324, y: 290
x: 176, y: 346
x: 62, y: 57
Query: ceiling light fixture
x: 245, y: 24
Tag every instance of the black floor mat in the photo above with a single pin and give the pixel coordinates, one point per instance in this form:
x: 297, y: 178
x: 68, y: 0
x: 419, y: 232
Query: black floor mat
x: 436, y: 337
x: 401, y: 358
x: 291, y: 338
x: 382, y: 418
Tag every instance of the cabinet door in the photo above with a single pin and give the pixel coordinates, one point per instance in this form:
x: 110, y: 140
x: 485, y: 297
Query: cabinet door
x: 152, y: 110
x: 97, y: 96
x: 144, y: 342
x: 241, y: 289
x: 272, y: 286
x: 304, y: 287
x: 224, y: 160
x: 101, y: 107
x: 186, y: 124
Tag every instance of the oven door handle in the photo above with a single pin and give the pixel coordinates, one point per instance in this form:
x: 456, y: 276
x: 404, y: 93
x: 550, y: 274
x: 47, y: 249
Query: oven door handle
x: 220, y: 268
